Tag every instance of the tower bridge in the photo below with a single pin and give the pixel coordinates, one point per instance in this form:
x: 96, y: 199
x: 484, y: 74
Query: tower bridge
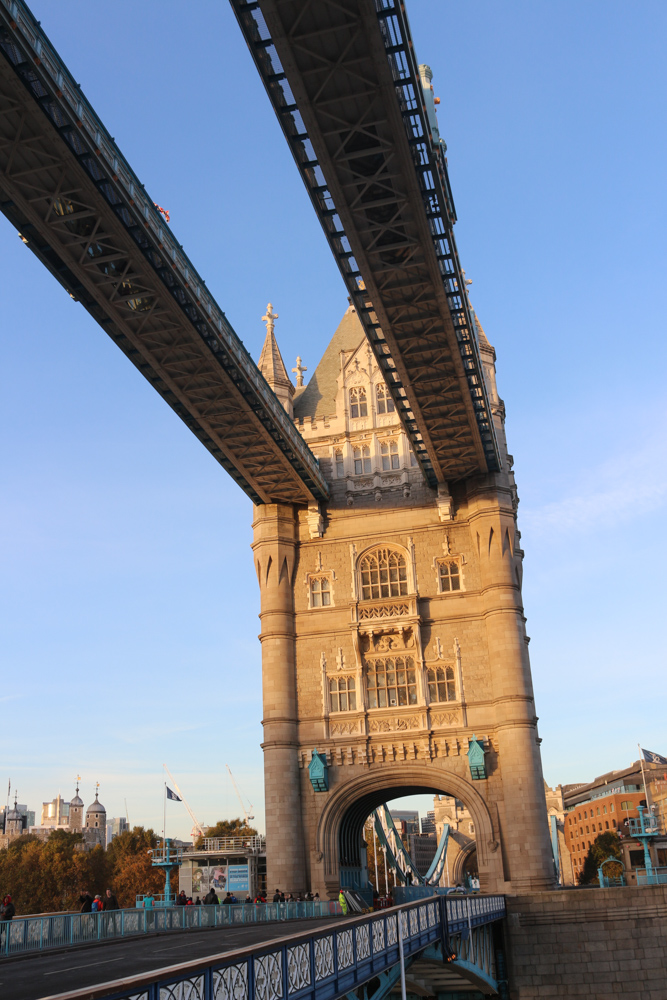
x: 386, y: 545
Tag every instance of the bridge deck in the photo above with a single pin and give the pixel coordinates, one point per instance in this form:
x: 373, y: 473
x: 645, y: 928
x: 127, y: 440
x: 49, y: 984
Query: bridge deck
x: 344, y: 82
x: 329, y: 962
x: 87, y: 966
x: 80, y: 208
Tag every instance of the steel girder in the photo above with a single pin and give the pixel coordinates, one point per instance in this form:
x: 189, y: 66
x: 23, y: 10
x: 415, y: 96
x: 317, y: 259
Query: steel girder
x: 79, y: 207
x: 343, y: 79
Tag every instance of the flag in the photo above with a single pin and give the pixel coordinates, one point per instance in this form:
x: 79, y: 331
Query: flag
x: 176, y: 798
x: 653, y: 758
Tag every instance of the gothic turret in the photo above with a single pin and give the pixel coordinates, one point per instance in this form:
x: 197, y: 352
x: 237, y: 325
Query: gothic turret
x: 95, y: 831
x: 76, y: 812
x: 272, y: 365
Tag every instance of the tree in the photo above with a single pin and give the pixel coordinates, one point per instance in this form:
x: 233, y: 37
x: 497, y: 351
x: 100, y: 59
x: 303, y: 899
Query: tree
x: 47, y: 876
x: 130, y: 866
x: 605, y: 845
x: 227, y: 828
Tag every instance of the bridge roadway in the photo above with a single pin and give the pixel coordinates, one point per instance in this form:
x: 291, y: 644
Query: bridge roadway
x: 35, y: 976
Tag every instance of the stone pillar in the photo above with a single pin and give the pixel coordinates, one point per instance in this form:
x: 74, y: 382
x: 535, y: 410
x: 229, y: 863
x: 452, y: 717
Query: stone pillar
x: 525, y: 833
x: 275, y: 551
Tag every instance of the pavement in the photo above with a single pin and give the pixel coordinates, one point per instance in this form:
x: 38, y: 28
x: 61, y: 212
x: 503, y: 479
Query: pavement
x: 38, y: 976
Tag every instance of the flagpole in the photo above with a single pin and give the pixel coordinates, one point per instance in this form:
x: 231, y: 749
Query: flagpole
x: 164, y: 821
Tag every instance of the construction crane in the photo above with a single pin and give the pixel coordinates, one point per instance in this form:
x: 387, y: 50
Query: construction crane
x: 238, y: 796
x: 197, y: 828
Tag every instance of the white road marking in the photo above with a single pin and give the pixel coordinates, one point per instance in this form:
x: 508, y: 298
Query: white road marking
x: 88, y: 966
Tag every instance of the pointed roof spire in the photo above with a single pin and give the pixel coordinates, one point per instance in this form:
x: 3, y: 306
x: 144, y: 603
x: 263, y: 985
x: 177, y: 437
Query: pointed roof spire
x: 271, y: 363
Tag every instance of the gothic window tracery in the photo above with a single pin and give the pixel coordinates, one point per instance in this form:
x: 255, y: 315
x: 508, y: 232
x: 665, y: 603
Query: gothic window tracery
x: 320, y: 592
x: 342, y: 694
x: 358, y: 403
x: 389, y: 453
x: 383, y: 574
x: 441, y: 684
x: 449, y: 575
x: 362, y: 460
x: 339, y: 463
x: 391, y: 682
x: 385, y: 403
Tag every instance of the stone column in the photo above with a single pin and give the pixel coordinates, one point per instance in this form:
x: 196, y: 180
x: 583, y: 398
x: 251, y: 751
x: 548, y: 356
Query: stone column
x: 525, y: 830
x: 275, y: 551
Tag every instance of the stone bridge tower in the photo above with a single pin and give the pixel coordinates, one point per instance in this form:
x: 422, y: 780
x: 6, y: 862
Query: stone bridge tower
x: 393, y: 641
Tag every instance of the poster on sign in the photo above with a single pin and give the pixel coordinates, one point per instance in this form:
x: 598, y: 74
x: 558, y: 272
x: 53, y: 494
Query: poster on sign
x: 209, y: 877
x: 238, y: 878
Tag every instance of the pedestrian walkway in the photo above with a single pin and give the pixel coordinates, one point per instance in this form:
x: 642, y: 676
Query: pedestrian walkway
x: 63, y: 930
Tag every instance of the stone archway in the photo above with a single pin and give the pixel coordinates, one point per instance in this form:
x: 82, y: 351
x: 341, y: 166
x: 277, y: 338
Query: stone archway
x: 341, y: 821
x: 462, y: 862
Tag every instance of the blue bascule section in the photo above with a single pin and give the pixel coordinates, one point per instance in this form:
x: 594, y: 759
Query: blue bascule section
x: 456, y: 936
x: 399, y: 858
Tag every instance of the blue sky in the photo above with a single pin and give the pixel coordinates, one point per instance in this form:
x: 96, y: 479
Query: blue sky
x: 128, y: 597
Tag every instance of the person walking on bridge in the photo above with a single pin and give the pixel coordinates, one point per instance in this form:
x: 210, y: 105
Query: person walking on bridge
x: 343, y: 902
x: 87, y: 902
x: 110, y: 901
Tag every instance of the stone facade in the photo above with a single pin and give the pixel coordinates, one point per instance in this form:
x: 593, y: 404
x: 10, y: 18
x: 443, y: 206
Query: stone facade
x: 597, y: 943
x: 392, y: 632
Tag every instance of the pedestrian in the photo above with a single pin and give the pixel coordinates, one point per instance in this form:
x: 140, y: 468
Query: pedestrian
x: 7, y: 911
x: 316, y: 897
x: 248, y: 900
x: 343, y: 902
x: 234, y: 899
x: 197, y: 901
x: 181, y: 899
x: 97, y: 905
x: 148, y: 900
x: 276, y: 896
x: 259, y: 898
x: 110, y: 901
x: 227, y: 901
x: 87, y: 902
x: 190, y: 903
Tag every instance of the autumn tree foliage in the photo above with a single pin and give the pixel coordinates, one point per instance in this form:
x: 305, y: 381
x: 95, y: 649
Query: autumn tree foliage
x: 49, y: 876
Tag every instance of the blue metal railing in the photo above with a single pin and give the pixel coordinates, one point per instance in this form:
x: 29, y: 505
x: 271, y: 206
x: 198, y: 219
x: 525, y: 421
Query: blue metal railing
x: 64, y: 930
x: 656, y: 876
x: 324, y: 964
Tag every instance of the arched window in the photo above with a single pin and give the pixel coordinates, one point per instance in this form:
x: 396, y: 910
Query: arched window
x: 383, y: 574
x: 340, y: 464
x: 413, y: 458
x: 358, y: 404
x: 389, y: 452
x: 391, y: 682
x: 342, y: 694
x: 320, y: 592
x: 384, y: 401
x: 441, y: 684
x: 362, y: 460
x: 450, y: 576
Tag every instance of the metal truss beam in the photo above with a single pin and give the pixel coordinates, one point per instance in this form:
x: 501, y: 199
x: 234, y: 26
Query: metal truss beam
x: 343, y: 79
x: 81, y: 210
